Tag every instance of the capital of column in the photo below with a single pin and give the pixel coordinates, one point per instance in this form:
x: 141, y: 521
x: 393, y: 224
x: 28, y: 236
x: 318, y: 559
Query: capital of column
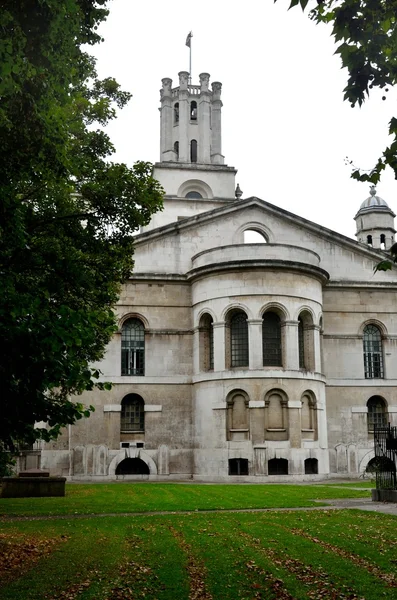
x: 289, y: 323
x: 218, y: 324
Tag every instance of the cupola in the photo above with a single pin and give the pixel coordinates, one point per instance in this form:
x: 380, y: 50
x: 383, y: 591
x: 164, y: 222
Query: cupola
x: 375, y: 222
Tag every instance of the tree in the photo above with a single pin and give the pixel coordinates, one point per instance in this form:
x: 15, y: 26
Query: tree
x: 67, y: 214
x: 366, y: 31
x: 366, y: 34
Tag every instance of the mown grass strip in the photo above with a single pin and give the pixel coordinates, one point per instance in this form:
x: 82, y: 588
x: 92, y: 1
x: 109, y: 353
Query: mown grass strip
x: 344, y: 574
x: 119, y: 498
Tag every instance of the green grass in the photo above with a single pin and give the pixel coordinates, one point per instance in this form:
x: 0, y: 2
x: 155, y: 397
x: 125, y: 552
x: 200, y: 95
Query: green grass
x: 306, y: 554
x: 142, y: 497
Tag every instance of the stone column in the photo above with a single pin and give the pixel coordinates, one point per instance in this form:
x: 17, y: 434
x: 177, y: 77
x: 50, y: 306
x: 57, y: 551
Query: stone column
x: 184, y: 117
x: 216, y: 124
x: 204, y: 126
x: 219, y: 345
x: 290, y: 345
x: 255, y: 343
x: 166, y: 119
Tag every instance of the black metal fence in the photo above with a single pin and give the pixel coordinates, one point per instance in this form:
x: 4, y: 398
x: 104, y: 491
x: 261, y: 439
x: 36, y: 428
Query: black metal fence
x: 385, y: 461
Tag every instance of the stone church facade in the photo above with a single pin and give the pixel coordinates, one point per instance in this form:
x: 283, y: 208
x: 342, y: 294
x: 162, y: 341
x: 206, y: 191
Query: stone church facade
x: 253, y: 344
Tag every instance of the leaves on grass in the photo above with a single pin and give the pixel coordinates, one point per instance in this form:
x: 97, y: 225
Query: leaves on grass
x: 388, y: 578
x: 19, y: 553
x: 195, y: 568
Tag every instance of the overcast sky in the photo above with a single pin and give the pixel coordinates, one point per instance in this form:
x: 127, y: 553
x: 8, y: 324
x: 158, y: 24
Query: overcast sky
x: 285, y: 126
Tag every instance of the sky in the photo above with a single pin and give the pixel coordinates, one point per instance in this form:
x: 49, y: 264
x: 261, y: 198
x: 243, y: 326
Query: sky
x: 285, y: 126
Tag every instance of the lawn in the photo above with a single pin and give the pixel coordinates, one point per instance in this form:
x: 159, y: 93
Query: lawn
x: 143, y: 497
x: 335, y: 554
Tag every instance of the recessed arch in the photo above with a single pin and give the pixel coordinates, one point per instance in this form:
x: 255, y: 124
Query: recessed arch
x: 276, y: 307
x: 379, y: 324
x: 132, y: 315
x: 132, y: 453
x: 252, y: 236
x: 234, y: 307
x: 195, y: 185
x: 257, y: 226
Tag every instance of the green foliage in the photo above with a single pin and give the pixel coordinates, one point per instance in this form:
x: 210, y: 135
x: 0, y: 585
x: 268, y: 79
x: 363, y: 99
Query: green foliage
x: 366, y: 31
x: 7, y: 462
x: 67, y: 214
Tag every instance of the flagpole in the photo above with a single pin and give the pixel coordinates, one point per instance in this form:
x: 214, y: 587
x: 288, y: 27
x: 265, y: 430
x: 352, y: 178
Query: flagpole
x: 190, y: 62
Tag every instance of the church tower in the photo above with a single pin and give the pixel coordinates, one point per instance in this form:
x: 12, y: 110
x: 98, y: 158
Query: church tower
x: 375, y: 222
x: 191, y: 168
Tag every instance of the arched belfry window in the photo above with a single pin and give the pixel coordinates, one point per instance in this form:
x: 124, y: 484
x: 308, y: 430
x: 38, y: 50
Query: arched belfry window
x: 271, y: 340
x: 238, y: 339
x: 193, y: 151
x: 133, y: 348
x: 176, y: 112
x: 373, y: 354
x: 377, y: 413
x: 132, y: 414
x: 382, y: 241
x: 193, y: 111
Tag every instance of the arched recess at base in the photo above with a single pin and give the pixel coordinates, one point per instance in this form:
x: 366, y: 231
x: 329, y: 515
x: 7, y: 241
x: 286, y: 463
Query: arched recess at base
x: 132, y: 466
x: 132, y: 453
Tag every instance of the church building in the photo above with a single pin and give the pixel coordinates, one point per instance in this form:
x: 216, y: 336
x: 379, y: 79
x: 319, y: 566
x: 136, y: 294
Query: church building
x: 253, y: 344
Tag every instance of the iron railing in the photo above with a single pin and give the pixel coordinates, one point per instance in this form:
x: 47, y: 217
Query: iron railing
x: 385, y: 441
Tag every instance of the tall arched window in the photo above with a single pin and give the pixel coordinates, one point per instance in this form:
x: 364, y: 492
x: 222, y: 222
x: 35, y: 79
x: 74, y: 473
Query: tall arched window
x: 193, y: 111
x: 271, y: 340
x: 176, y: 149
x: 377, y: 412
x: 238, y: 339
x: 373, y: 355
x: 301, y: 343
x: 206, y: 343
x: 133, y: 348
x: 193, y: 151
x: 132, y: 414
x: 176, y: 112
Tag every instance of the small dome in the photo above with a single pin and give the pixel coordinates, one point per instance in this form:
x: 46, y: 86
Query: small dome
x: 374, y: 201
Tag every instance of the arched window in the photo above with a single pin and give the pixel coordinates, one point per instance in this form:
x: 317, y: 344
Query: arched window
x: 132, y: 414
x: 301, y: 344
x: 238, y: 340
x: 193, y: 111
x: 206, y: 343
x: 176, y: 112
x: 271, y: 340
x: 369, y: 240
x: 382, y: 241
x: 133, y: 348
x: 193, y: 195
x: 193, y: 151
x: 176, y: 149
x: 373, y: 355
x: 311, y: 466
x: 377, y: 413
x: 251, y: 236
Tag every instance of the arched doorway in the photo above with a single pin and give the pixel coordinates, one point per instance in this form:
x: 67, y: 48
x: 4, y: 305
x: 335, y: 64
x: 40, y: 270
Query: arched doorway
x: 132, y: 466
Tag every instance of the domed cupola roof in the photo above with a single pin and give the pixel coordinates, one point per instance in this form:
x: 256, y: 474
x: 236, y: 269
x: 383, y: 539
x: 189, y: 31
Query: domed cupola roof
x: 373, y: 203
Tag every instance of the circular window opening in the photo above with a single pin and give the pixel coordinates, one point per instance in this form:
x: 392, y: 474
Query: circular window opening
x: 251, y: 236
x: 193, y: 195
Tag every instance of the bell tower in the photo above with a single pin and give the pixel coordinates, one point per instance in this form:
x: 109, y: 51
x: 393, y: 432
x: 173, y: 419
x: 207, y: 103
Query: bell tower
x: 375, y: 222
x: 192, y: 167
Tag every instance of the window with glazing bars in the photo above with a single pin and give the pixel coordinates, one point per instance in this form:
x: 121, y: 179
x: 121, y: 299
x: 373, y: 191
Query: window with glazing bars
x: 211, y: 346
x: 377, y: 414
x: 133, y: 348
x: 271, y: 340
x: 132, y: 413
x: 239, y: 340
x: 373, y: 355
x: 301, y: 344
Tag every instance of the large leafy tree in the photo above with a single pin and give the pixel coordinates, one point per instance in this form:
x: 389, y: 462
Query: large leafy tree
x: 366, y: 35
x: 67, y: 214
